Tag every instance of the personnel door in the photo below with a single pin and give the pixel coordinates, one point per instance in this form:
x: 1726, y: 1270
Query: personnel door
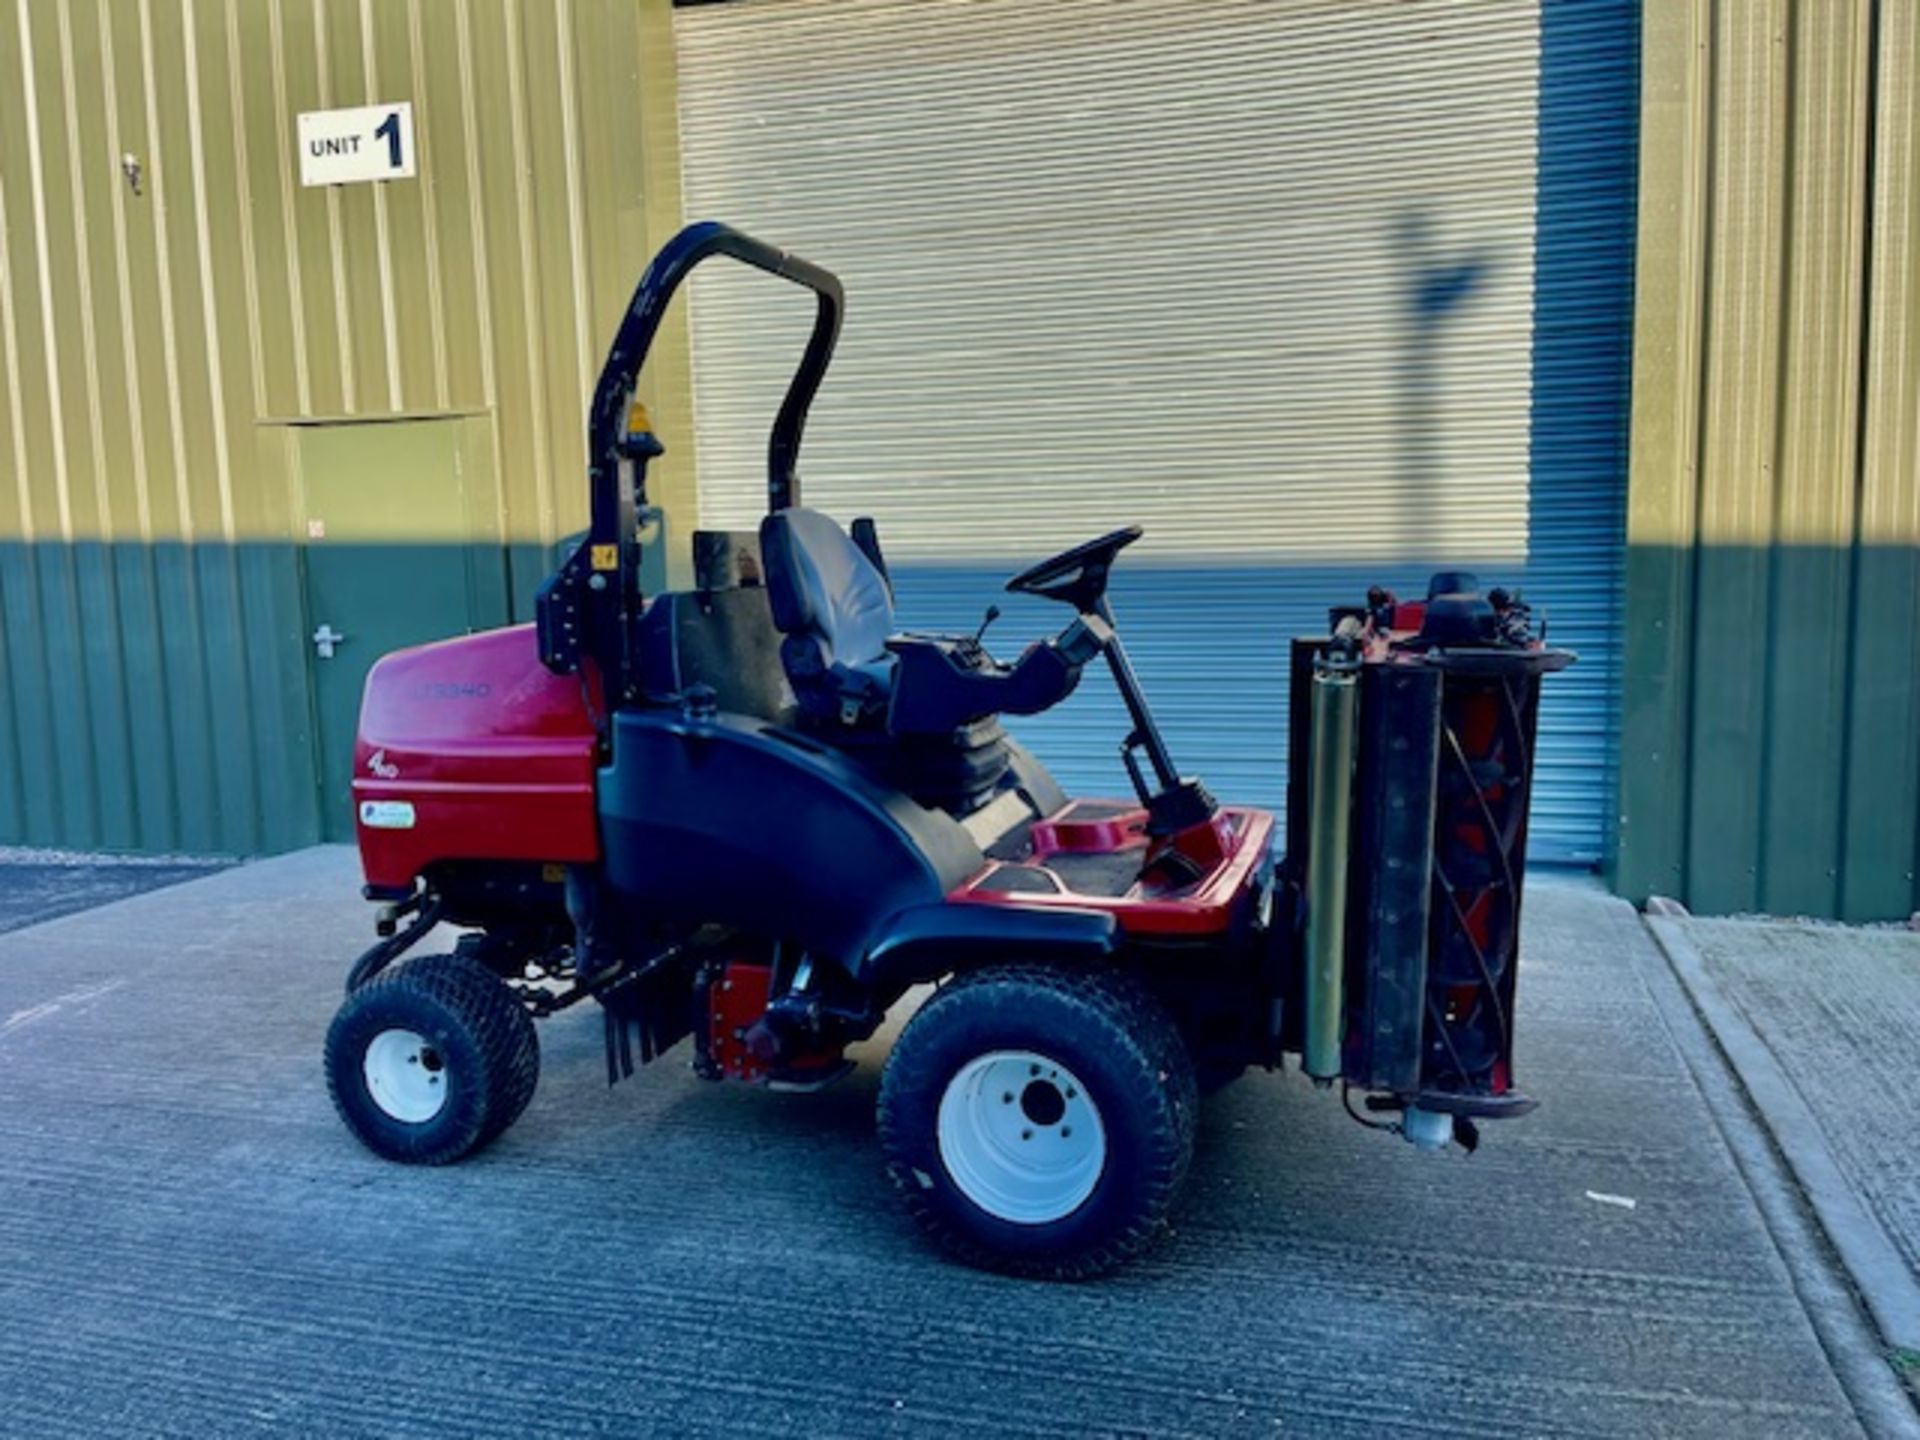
x: 400, y: 524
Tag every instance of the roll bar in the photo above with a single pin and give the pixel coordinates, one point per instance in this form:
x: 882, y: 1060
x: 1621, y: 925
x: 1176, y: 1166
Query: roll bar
x: 589, y: 607
x: 676, y: 260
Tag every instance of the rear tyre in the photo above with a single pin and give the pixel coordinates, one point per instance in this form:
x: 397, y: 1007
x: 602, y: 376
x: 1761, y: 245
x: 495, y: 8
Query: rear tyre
x: 1039, y: 1122
x: 429, y: 1062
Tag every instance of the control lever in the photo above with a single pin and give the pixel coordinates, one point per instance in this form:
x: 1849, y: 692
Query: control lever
x: 993, y: 614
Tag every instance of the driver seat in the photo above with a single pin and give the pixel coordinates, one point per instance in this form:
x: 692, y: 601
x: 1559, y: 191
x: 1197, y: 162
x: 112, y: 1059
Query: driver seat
x: 832, y: 601
x: 835, y: 608
x: 921, y: 710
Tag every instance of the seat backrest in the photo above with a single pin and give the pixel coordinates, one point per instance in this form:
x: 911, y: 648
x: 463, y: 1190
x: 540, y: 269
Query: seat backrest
x: 822, y: 586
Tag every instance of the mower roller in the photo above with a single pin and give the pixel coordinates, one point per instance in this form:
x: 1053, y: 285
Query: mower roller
x: 752, y: 816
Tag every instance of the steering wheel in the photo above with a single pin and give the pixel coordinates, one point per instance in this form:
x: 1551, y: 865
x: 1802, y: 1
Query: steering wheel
x: 1077, y: 576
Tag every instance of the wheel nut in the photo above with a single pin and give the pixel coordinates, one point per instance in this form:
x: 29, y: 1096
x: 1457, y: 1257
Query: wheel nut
x: 1065, y: 1131
x: 1007, y: 1099
x: 1026, y: 1134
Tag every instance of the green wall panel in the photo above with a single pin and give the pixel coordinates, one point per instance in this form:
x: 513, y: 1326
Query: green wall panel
x: 1883, y: 758
x: 105, y: 693
x: 34, y: 782
x: 150, y: 711
x: 183, y: 653
x: 67, y: 686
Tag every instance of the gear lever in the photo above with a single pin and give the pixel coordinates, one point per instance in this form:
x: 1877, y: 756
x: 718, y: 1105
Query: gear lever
x: 993, y: 614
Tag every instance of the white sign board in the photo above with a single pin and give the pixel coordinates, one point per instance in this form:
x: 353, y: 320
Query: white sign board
x: 369, y: 142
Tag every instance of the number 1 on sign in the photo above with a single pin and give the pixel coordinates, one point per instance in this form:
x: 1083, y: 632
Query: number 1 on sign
x: 389, y: 130
x: 344, y: 147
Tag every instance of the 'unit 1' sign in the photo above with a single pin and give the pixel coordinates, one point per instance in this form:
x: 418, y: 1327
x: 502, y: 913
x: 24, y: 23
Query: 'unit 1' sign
x: 369, y: 142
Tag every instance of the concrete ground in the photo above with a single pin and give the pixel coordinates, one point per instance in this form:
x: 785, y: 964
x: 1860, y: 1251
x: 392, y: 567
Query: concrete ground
x: 1822, y: 1022
x: 191, y: 1244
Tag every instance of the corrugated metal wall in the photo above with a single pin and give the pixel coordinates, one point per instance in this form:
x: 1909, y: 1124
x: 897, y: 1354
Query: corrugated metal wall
x: 1771, y: 756
x: 1320, y: 293
x: 153, y: 688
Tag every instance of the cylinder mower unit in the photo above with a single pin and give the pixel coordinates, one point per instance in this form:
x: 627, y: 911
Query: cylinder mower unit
x: 1411, y: 765
x: 754, y: 816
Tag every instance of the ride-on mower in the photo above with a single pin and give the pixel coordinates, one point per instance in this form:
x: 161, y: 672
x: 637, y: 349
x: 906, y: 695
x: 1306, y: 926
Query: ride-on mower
x: 751, y: 814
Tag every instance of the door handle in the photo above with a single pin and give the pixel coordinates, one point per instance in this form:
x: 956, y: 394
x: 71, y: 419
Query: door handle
x: 325, y: 638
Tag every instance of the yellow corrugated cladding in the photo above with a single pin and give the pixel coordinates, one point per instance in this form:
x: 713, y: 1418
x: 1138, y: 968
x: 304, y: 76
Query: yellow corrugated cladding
x: 148, y: 332
x: 1771, y: 755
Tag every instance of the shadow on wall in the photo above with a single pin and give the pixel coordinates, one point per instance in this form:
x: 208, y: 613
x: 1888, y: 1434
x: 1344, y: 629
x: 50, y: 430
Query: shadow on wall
x: 1435, y: 287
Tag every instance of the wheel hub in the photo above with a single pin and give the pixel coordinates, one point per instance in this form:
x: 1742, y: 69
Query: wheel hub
x: 1042, y: 1103
x: 406, y: 1075
x: 1020, y: 1137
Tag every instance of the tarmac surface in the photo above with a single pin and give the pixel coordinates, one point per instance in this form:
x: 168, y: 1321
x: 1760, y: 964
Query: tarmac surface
x: 191, y: 1244
x: 37, y: 885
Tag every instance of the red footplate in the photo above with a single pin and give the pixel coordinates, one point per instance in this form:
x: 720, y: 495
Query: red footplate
x: 1097, y: 855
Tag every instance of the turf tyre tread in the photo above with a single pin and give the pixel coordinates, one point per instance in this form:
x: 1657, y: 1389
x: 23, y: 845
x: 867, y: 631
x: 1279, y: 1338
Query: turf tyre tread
x: 1101, y: 1024
x: 478, y: 1023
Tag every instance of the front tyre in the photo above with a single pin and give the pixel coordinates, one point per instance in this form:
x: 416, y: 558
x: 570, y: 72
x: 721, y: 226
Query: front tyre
x: 431, y: 1061
x: 1039, y: 1122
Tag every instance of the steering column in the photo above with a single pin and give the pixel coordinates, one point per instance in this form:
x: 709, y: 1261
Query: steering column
x: 1078, y: 577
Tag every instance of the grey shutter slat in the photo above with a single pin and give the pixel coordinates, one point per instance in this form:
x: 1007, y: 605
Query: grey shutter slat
x: 1114, y: 261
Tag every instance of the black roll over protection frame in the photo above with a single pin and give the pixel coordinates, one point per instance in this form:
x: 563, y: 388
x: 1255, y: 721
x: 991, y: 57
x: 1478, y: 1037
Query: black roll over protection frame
x: 587, y: 609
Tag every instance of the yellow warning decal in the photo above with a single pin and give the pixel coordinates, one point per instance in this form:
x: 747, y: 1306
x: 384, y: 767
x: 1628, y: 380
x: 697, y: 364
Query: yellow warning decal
x: 553, y: 874
x: 606, y: 557
x: 638, y: 422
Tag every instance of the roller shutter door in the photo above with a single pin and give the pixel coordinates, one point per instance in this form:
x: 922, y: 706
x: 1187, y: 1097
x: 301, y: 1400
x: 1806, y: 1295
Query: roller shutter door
x: 1320, y: 294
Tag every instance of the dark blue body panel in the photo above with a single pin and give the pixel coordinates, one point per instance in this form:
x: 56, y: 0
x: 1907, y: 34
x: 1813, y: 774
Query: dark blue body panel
x: 730, y: 820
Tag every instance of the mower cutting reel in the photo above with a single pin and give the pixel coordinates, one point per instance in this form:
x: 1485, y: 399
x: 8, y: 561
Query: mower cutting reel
x: 752, y: 816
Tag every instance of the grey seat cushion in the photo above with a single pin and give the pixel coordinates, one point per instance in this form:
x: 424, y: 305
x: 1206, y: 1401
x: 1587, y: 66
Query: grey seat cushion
x: 822, y: 586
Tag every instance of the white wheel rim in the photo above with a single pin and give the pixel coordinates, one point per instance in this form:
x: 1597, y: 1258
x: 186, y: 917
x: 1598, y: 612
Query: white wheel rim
x: 406, y: 1076
x: 1020, y: 1137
